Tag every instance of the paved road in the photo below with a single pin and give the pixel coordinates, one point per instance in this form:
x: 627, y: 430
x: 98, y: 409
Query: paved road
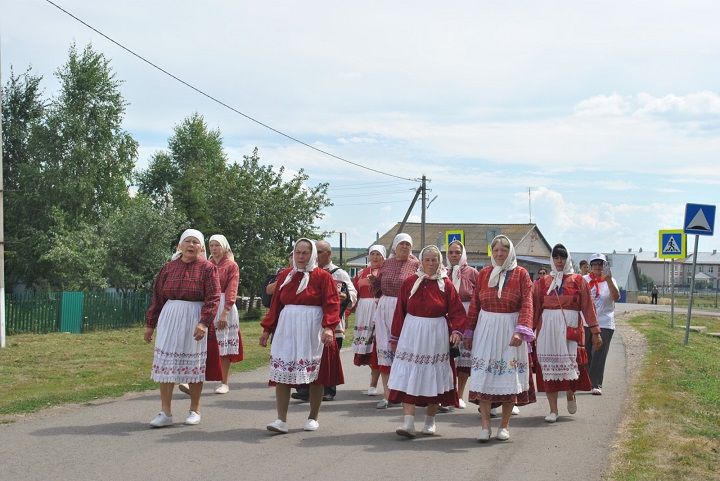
x: 110, y: 439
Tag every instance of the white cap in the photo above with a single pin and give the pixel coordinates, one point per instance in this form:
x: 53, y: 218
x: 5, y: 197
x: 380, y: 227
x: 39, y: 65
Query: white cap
x: 598, y: 257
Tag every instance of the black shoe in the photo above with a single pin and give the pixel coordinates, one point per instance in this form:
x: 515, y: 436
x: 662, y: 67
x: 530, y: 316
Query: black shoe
x: 328, y: 397
x: 299, y: 396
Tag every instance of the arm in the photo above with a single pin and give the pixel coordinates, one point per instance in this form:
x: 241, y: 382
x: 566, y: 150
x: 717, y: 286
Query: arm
x: 158, y: 299
x: 232, y: 288
x: 472, y: 315
x: 211, y: 294
x: 524, y: 326
x: 400, y: 311
x: 269, y: 322
x: 612, y: 286
x: 455, y: 312
x: 538, y: 295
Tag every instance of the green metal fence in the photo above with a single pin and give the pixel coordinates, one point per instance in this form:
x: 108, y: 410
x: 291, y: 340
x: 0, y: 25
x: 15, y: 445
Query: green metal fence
x: 42, y: 312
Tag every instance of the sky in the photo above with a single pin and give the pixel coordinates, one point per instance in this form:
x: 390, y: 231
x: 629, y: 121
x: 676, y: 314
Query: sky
x: 608, y: 113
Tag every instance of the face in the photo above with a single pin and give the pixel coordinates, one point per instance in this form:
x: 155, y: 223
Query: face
x: 454, y: 253
x: 402, y: 251
x: 216, y: 250
x: 500, y: 253
x: 542, y: 272
x: 584, y: 269
x: 430, y: 262
x: 302, y: 253
x: 324, y: 254
x: 559, y: 263
x: 376, y: 259
x: 597, y: 267
x: 190, y: 248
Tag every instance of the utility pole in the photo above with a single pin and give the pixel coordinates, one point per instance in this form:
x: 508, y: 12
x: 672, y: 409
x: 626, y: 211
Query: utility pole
x: 423, y: 186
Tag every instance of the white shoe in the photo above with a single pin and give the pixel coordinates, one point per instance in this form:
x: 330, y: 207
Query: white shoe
x: 372, y: 391
x: 429, y: 429
x: 161, y: 420
x: 596, y: 391
x: 222, y: 389
x: 494, y: 413
x: 515, y: 411
x: 193, y: 418
x: 484, y: 435
x: 461, y: 404
x: 406, y: 431
x: 278, y: 426
x: 503, y: 434
x: 551, y: 418
x: 311, y: 425
x: 382, y: 404
x: 572, y: 405
x: 184, y: 388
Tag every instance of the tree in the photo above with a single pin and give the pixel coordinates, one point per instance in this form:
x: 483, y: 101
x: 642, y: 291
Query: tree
x: 140, y: 238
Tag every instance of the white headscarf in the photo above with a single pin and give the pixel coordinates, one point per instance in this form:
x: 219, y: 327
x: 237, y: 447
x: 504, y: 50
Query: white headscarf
x: 439, y: 275
x: 557, y: 277
x: 379, y: 249
x: 398, y: 239
x: 222, y: 240
x: 457, y: 270
x: 312, y: 264
x: 497, y: 276
x: 191, y: 233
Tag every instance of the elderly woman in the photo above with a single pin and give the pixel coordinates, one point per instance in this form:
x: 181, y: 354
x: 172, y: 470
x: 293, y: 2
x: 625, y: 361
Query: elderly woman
x: 463, y: 278
x: 401, y: 265
x: 558, y: 300
x: 428, y: 311
x: 604, y: 292
x: 185, y: 298
x: 364, y: 330
x: 227, y: 320
x: 304, y: 312
x: 498, y: 329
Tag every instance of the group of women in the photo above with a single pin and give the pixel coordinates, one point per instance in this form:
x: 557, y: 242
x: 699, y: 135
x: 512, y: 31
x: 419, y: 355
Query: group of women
x: 426, y: 329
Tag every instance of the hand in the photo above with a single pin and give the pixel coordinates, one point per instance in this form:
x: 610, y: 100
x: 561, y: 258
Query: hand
x: 468, y: 344
x: 200, y: 330
x: 148, y: 333
x: 264, y: 338
x: 328, y: 336
x: 455, y: 339
x: 343, y: 296
x: 597, y: 342
x: 516, y: 340
x: 222, y: 322
x: 392, y: 345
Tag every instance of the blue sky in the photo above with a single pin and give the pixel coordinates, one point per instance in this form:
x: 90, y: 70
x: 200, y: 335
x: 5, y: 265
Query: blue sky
x: 608, y: 111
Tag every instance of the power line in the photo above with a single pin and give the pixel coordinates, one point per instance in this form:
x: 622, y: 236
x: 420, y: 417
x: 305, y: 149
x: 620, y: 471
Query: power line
x: 365, y: 185
x: 218, y: 101
x: 371, y: 203
x: 364, y: 194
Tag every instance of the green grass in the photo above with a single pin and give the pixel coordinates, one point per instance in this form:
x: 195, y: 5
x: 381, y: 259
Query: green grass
x: 43, y: 370
x: 674, y: 430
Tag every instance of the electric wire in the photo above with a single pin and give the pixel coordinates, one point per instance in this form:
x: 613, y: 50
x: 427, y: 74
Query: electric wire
x: 220, y: 102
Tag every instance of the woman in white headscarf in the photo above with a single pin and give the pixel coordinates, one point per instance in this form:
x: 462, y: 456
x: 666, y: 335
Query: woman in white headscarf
x: 498, y: 330
x: 401, y: 265
x: 227, y: 320
x: 428, y: 318
x: 558, y: 300
x: 364, y: 329
x: 304, y: 312
x: 185, y: 299
x: 464, y: 278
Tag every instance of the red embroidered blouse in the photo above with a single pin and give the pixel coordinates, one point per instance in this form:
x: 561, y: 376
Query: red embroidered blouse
x: 193, y: 281
x: 320, y: 291
x: 229, y: 274
x: 573, y: 295
x: 428, y: 301
x: 516, y: 297
x: 468, y: 279
x: 394, y: 272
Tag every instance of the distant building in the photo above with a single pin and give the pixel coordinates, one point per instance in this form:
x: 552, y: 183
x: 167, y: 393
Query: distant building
x: 662, y: 273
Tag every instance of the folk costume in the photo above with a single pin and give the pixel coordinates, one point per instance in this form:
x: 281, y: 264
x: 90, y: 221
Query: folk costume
x: 184, y: 294
x: 364, y: 329
x: 305, y: 303
x: 501, y: 306
x: 229, y: 340
x: 464, y: 279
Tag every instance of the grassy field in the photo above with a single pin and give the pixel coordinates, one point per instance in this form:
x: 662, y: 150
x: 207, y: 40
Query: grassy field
x: 673, y: 432
x: 43, y: 370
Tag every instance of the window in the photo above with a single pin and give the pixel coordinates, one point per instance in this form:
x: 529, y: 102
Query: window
x: 711, y: 269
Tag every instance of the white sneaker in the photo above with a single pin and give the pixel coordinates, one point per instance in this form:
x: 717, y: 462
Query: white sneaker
x: 494, y: 413
x: 278, y: 426
x: 484, y: 435
x: 184, y: 388
x: 406, y: 431
x: 515, y: 411
x: 461, y: 404
x: 372, y: 391
x: 161, y: 420
x: 551, y: 418
x: 429, y: 429
x: 222, y: 389
x: 572, y: 405
x: 382, y: 404
x: 193, y: 418
x: 311, y: 425
x: 596, y: 391
x: 503, y: 434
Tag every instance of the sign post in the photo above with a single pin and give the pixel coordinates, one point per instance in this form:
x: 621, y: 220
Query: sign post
x: 699, y: 220
x: 673, y: 245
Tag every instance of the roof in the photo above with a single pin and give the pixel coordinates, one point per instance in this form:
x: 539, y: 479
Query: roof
x: 527, y: 237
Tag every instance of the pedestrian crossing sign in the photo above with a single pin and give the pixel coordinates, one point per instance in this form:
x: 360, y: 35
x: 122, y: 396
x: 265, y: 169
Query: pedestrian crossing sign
x: 452, y: 236
x: 673, y: 244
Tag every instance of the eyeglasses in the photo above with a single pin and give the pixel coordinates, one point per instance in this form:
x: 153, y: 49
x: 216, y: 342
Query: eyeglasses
x: 322, y: 252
